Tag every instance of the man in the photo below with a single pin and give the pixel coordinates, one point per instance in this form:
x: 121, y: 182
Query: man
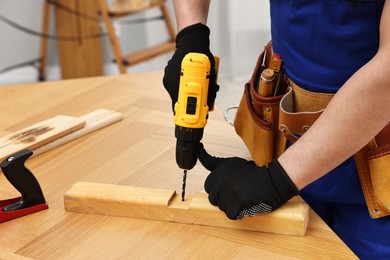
x: 327, y: 46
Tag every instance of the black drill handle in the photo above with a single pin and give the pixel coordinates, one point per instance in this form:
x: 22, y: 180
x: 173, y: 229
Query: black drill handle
x: 23, y: 180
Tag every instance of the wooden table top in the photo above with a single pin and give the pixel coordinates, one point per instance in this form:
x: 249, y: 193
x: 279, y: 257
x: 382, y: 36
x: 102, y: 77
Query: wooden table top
x: 137, y: 151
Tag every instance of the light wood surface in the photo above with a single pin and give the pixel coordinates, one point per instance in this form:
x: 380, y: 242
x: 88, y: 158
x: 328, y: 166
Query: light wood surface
x: 166, y: 205
x: 137, y: 151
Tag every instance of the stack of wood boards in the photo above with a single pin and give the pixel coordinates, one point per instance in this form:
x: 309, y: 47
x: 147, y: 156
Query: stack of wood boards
x: 55, y: 131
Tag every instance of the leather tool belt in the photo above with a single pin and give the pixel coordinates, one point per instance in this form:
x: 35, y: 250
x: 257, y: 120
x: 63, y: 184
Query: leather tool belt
x: 266, y: 123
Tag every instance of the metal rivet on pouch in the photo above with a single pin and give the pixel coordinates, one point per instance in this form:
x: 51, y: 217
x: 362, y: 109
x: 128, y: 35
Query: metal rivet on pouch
x: 305, y: 128
x: 268, y: 109
x: 375, y: 212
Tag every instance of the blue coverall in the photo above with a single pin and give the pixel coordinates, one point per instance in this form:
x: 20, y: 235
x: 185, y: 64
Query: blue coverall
x: 322, y: 43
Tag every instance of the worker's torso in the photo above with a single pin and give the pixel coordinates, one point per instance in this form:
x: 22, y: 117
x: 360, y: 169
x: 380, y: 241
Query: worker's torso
x: 324, y: 42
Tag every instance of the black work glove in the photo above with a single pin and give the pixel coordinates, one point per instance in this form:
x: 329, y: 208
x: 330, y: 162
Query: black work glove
x: 194, y: 38
x: 239, y: 187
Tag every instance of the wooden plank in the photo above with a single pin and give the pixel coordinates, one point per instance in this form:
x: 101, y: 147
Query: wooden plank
x: 44, y: 41
x: 93, y: 121
x: 81, y: 57
x: 126, y: 7
x: 164, y: 205
x: 39, y: 134
x: 169, y: 23
x: 148, y: 53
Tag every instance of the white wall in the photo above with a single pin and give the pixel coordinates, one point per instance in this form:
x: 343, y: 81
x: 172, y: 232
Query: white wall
x: 16, y: 46
x: 239, y: 30
x: 243, y: 29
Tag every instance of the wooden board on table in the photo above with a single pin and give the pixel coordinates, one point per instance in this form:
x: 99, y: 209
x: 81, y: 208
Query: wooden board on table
x: 39, y: 134
x: 164, y: 205
x: 93, y: 121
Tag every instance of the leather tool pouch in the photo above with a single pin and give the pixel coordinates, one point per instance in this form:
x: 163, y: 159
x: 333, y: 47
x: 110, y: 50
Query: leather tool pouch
x: 299, y: 109
x: 256, y: 120
x: 373, y: 163
x: 266, y: 123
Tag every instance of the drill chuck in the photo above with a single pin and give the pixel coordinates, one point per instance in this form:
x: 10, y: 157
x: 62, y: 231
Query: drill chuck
x: 187, y: 144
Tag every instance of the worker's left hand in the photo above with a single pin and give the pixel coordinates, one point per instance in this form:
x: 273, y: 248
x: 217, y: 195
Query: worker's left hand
x: 193, y: 38
x: 239, y: 187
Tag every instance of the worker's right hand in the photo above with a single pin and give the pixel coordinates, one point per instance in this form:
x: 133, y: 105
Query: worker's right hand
x: 194, y: 38
x: 241, y: 188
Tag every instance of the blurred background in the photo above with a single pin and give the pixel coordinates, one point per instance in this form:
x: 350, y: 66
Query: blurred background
x: 239, y: 30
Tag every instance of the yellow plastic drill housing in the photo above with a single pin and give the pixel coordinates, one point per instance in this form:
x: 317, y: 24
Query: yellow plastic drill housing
x: 191, y: 108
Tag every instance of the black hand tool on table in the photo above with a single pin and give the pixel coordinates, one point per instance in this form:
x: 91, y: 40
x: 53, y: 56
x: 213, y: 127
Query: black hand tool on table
x: 32, y: 198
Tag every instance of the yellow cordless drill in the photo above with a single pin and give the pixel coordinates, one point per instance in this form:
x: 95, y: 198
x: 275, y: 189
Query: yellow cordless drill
x: 191, y: 110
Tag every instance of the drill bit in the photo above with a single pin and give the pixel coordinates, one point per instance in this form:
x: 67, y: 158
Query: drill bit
x: 183, y: 189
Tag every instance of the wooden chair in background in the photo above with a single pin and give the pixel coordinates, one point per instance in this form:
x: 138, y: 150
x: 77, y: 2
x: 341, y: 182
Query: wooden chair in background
x: 43, y: 48
x: 83, y: 58
x: 122, y: 8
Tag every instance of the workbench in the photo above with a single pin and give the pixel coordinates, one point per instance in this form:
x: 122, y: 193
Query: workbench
x: 137, y: 151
